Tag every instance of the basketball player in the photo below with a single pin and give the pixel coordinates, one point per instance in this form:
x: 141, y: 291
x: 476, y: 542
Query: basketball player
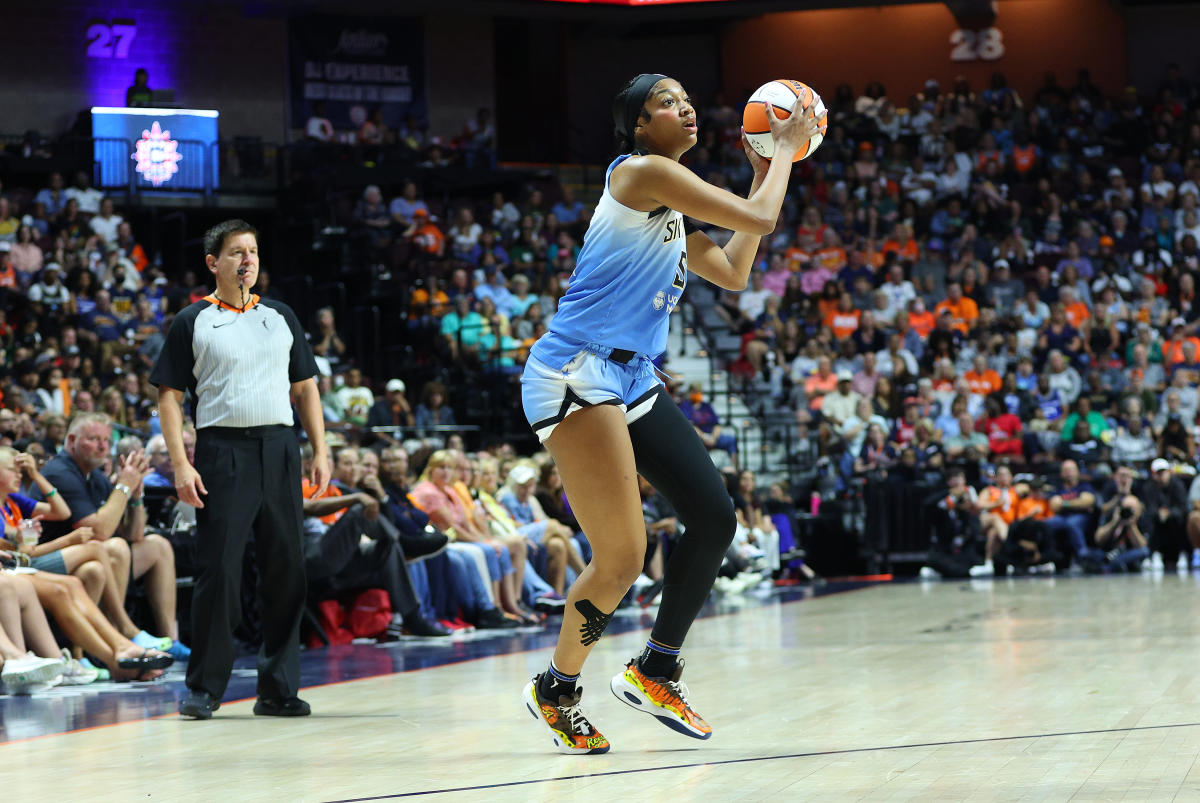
x: 591, y: 395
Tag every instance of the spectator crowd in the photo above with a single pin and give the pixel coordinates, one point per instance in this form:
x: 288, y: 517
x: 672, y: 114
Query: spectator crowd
x: 988, y: 294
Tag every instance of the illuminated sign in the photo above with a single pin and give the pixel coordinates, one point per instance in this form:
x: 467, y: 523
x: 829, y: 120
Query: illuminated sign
x: 156, y: 155
x: 155, y: 149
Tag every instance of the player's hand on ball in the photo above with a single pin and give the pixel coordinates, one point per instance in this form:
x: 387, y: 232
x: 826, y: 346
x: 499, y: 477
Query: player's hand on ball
x: 757, y: 160
x: 795, y: 130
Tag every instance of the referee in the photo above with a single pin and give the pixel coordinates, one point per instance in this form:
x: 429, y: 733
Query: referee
x: 240, y: 357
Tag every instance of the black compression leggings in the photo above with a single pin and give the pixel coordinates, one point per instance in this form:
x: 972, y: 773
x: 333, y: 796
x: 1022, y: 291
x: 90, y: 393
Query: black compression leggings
x: 671, y: 457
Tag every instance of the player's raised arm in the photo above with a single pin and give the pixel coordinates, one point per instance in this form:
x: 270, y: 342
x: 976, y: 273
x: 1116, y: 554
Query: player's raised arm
x: 655, y: 180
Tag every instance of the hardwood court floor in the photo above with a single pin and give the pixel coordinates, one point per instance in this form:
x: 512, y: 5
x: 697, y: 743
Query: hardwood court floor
x: 1046, y: 689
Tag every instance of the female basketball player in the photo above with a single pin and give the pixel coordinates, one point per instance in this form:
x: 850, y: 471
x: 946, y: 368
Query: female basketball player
x: 591, y: 395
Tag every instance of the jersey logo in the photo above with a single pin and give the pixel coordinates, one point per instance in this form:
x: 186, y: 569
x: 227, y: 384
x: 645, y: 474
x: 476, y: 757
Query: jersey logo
x: 660, y: 300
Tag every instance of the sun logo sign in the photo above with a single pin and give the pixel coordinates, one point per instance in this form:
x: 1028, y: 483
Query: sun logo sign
x: 156, y: 154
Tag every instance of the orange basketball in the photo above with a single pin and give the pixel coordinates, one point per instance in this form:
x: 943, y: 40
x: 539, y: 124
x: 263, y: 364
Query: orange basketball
x: 783, y: 94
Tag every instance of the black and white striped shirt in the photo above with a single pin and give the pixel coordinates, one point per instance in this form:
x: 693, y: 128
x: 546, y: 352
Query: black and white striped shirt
x: 239, y: 365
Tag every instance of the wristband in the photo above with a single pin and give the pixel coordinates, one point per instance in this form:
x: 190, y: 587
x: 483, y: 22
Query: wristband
x: 123, y: 488
x: 51, y: 494
x: 136, y: 503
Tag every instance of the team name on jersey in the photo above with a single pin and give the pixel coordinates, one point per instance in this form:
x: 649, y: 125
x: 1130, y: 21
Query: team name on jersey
x: 674, y: 230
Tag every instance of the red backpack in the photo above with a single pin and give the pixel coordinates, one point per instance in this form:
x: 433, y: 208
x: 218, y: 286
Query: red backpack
x: 331, y: 617
x: 370, y: 614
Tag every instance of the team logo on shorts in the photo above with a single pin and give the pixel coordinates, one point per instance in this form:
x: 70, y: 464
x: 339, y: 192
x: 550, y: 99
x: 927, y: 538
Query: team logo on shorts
x: 660, y: 300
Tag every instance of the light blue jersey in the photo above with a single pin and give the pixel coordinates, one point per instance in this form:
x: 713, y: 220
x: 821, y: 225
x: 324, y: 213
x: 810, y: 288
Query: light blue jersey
x: 630, y: 275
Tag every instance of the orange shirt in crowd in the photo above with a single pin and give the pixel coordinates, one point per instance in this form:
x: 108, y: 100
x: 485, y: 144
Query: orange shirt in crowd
x: 873, y: 260
x: 309, y: 490
x: 832, y: 258
x: 816, y: 383
x: 818, y: 234
x: 137, y: 255
x: 1173, y: 349
x: 1007, y: 510
x: 843, y: 324
x: 983, y: 383
x: 796, y: 258
x: 907, y: 251
x: 1077, y: 313
x: 464, y: 493
x: 428, y: 238
x: 1037, y: 508
x: 1024, y: 158
x: 922, y: 323
x: 981, y: 161
x: 964, y: 313
x: 827, y: 307
x: 64, y: 387
x: 420, y: 303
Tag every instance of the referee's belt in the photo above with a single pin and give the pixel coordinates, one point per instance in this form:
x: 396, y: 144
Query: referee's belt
x: 245, y: 432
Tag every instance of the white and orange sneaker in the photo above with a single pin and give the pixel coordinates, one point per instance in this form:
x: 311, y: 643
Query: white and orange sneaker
x: 662, y: 698
x: 569, y: 727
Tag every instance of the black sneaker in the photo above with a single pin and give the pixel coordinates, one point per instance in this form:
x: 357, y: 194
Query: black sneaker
x: 420, y: 547
x: 390, y: 635
x: 550, y: 603
x: 198, y: 705
x: 291, y: 707
x: 418, y: 625
x: 492, y: 619
x: 646, y: 596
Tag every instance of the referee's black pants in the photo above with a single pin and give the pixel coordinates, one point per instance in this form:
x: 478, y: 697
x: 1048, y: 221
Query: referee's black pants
x: 253, y: 480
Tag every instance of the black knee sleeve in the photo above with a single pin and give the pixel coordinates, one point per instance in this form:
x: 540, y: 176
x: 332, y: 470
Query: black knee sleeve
x: 671, y: 457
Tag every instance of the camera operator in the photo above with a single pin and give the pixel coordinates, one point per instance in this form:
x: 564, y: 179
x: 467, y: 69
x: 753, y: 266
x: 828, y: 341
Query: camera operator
x: 1120, y: 536
x: 957, y: 547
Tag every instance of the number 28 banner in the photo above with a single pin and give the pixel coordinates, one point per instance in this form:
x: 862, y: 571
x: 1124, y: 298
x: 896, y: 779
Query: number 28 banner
x: 355, y: 66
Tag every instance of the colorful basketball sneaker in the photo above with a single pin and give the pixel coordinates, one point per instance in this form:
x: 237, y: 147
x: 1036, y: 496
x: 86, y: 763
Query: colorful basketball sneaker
x: 664, y: 698
x: 568, y: 725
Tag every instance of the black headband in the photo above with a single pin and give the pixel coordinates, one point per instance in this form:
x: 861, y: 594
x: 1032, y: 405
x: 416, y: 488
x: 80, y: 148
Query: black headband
x: 635, y: 99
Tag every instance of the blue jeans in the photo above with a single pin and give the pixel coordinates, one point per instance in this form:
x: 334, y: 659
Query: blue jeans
x: 454, y: 585
x: 1075, y: 526
x: 534, y: 531
x: 534, y: 586
x: 470, y: 593
x: 499, y: 561
x: 583, y: 547
x: 1128, y: 559
x: 420, y: 581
